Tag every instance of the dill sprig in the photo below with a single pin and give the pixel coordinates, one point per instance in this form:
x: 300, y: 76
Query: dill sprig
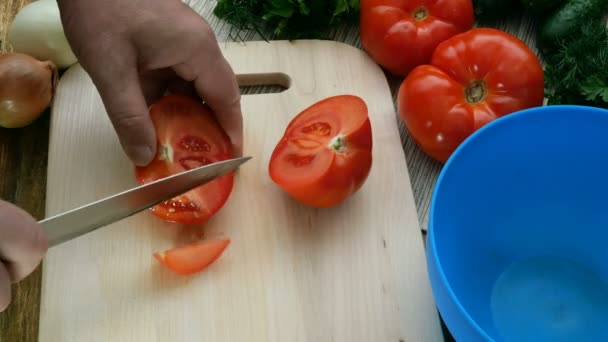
x: 286, y: 19
x: 577, y: 71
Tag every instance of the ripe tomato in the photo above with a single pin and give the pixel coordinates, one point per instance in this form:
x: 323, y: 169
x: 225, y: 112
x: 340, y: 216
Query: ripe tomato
x: 402, y: 34
x: 325, y: 153
x: 194, y: 257
x: 188, y: 136
x: 474, y: 78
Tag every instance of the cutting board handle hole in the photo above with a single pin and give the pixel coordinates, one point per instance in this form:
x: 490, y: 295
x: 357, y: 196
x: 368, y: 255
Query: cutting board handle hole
x: 264, y: 83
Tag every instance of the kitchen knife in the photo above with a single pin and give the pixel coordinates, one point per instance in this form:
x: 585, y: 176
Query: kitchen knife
x: 79, y: 221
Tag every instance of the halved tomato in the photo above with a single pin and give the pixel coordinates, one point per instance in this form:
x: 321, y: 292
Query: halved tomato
x: 194, y: 257
x: 325, y: 153
x: 188, y: 136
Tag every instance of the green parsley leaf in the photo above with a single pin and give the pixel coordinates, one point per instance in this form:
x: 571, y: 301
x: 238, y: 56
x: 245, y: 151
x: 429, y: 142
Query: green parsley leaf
x: 287, y: 19
x: 577, y: 72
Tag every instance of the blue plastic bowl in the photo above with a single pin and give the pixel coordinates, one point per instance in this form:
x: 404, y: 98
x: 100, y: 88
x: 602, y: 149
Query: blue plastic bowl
x: 517, y: 246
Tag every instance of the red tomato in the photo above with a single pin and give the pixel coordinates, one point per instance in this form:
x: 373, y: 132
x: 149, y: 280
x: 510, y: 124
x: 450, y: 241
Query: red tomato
x: 401, y: 34
x: 474, y: 78
x: 194, y: 257
x: 325, y: 153
x: 188, y: 136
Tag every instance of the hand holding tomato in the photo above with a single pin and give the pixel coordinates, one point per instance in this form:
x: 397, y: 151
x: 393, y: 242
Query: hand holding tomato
x: 189, y: 136
x: 402, y: 34
x: 472, y: 79
x: 135, y: 50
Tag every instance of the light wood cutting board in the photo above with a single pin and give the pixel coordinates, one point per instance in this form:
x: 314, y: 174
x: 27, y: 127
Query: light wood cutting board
x: 353, y: 273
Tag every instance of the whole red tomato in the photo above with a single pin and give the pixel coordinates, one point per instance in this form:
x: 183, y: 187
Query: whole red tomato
x: 325, y: 153
x: 188, y: 136
x: 402, y: 34
x: 473, y: 78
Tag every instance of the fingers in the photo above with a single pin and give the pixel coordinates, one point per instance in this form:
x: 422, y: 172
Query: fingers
x: 120, y: 89
x: 158, y: 82
x: 155, y: 83
x: 219, y: 89
x: 5, y: 288
x: 22, y: 242
x: 216, y: 83
x: 181, y: 87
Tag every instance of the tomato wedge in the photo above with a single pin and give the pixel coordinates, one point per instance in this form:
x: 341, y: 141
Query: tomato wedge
x: 188, y: 136
x: 194, y: 257
x: 325, y: 153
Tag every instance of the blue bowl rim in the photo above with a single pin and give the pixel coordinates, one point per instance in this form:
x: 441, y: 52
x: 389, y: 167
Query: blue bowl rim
x: 455, y: 155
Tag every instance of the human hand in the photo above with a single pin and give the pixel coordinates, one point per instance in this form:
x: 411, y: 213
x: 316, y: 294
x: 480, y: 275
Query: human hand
x: 136, y: 50
x: 22, y: 245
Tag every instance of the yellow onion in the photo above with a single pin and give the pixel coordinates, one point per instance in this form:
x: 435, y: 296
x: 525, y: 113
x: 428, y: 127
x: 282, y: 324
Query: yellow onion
x: 27, y: 86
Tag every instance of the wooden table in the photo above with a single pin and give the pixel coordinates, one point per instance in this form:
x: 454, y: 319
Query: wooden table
x: 23, y: 157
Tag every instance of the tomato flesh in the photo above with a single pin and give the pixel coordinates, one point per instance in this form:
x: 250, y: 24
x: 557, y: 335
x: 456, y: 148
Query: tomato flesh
x: 325, y: 153
x: 188, y: 136
x: 192, y: 258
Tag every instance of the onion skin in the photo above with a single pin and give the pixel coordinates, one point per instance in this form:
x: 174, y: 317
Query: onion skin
x: 27, y: 87
x: 37, y: 31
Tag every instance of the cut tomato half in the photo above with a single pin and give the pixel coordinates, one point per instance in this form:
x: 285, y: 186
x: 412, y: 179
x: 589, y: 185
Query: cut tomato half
x: 188, y: 136
x: 325, y: 153
x: 194, y: 257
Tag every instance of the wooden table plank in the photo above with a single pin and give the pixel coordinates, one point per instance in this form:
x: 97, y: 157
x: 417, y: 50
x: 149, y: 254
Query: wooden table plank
x: 23, y: 155
x: 8, y: 9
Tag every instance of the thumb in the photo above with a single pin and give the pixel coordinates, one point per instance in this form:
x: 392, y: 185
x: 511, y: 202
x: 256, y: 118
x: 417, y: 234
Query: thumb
x: 124, y: 101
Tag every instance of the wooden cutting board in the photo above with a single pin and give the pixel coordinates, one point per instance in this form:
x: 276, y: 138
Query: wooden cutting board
x: 352, y: 273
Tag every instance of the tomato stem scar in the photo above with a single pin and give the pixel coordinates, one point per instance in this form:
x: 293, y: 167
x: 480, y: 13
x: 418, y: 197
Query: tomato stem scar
x: 338, y: 143
x: 167, y: 153
x: 420, y: 13
x: 476, y: 91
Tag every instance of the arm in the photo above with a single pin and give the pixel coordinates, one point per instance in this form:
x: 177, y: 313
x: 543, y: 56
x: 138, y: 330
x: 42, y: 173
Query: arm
x: 134, y: 51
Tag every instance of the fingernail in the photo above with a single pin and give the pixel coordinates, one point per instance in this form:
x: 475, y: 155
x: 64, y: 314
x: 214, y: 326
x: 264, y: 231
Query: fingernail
x: 141, y: 155
x: 237, y: 143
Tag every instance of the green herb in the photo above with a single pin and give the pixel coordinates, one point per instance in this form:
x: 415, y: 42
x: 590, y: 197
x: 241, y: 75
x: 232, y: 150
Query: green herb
x: 577, y: 72
x: 287, y: 19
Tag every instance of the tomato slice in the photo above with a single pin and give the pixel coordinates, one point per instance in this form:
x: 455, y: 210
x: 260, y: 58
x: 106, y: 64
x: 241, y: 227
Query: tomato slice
x: 194, y: 257
x: 325, y: 153
x: 188, y: 136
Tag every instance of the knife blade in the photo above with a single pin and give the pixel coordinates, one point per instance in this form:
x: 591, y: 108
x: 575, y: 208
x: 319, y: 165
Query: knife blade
x: 89, y: 217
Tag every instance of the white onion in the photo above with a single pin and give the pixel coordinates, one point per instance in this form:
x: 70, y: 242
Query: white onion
x: 38, y: 32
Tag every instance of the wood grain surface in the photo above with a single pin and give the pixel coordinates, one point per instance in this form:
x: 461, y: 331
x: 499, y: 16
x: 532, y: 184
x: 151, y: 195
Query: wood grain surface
x: 23, y: 162
x: 355, y: 272
x: 23, y: 155
x: 8, y: 10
